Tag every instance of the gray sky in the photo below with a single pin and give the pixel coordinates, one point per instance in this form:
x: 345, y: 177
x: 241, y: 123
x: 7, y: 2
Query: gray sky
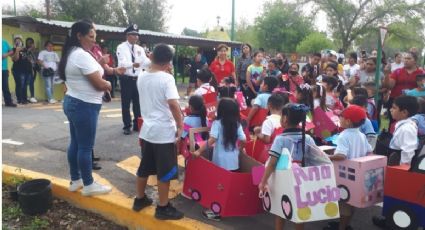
x: 198, y: 14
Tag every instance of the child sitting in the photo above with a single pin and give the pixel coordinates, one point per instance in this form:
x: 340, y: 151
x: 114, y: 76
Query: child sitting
x: 293, y: 138
x: 275, y: 103
x: 227, y: 88
x: 203, y: 78
x: 420, y: 90
x: 366, y: 128
x: 260, y: 102
x: 332, y: 101
x: 405, y: 137
x: 197, y: 117
x: 351, y: 143
x: 225, y: 132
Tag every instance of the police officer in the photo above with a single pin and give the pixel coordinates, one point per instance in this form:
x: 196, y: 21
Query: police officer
x: 133, y: 58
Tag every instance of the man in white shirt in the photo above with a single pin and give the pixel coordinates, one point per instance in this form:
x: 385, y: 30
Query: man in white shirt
x: 352, y: 68
x: 133, y: 58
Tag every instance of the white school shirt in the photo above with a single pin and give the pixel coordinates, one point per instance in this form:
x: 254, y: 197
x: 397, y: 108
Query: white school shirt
x: 204, y: 89
x: 124, y: 58
x: 405, y: 138
x: 352, y: 143
x: 81, y: 63
x: 155, y: 89
x: 50, y: 59
x: 271, y: 123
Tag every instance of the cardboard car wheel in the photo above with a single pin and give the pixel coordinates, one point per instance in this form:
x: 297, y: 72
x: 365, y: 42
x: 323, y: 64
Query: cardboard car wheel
x: 286, y: 207
x: 400, y: 217
x: 216, y: 207
x: 267, y: 203
x: 344, y: 193
x: 196, y: 195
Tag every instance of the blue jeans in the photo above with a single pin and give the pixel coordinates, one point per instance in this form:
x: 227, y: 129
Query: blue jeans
x: 82, y: 117
x: 22, y: 80
x: 48, y: 85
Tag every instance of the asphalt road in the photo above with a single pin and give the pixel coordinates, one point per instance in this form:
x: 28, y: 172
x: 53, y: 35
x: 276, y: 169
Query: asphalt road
x: 43, y: 132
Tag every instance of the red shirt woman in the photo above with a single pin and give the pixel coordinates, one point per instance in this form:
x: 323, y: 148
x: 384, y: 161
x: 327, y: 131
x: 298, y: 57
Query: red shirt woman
x: 221, y: 66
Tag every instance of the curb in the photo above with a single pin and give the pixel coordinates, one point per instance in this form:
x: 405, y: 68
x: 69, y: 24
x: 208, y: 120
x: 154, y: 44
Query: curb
x: 114, y: 206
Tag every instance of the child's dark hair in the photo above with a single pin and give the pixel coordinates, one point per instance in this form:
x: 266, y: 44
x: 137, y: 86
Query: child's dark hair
x: 333, y: 65
x: 358, y: 124
x: 271, y: 83
x: 360, y: 100
x: 331, y: 81
x: 228, y: 89
x: 296, y: 113
x: 359, y: 91
x: 306, y: 95
x: 421, y: 102
x: 278, y: 100
x: 196, y: 102
x: 48, y: 42
x: 204, y: 75
x: 319, y: 55
x: 228, y: 114
x: 321, y: 91
x: 256, y: 53
x: 162, y: 54
x: 420, y: 77
x: 408, y: 103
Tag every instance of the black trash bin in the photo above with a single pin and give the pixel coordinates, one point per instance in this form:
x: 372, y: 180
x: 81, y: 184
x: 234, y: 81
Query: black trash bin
x: 35, y: 196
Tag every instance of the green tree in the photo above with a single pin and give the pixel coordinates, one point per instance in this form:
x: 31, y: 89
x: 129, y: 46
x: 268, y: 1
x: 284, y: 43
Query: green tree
x: 281, y: 26
x: 349, y: 19
x: 314, y: 42
x: 189, y: 32
x: 245, y: 32
x: 147, y: 14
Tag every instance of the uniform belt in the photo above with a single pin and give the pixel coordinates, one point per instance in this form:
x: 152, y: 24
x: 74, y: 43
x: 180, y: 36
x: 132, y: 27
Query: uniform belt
x: 129, y: 77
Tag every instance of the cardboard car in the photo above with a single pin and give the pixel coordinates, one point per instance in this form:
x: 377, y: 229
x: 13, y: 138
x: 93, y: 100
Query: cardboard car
x: 361, y: 180
x: 224, y: 192
x: 404, y: 195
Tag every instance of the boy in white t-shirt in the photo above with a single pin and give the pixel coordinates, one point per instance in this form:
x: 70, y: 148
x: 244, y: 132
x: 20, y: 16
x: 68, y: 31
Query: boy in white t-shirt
x: 203, y: 78
x: 161, y: 131
x: 275, y: 104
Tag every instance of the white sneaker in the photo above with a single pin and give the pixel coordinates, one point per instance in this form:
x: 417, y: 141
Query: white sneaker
x: 95, y: 189
x: 52, y: 101
x: 33, y: 100
x: 75, y: 185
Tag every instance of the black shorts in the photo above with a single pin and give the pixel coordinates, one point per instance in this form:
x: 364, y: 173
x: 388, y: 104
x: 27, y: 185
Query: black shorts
x: 192, y: 79
x: 160, y: 160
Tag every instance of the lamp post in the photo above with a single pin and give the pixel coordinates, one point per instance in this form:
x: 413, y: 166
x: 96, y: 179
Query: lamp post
x: 14, y: 7
x: 381, y: 38
x: 232, y: 32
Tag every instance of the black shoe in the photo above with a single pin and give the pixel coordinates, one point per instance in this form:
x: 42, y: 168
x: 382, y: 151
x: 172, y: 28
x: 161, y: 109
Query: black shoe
x: 127, y: 131
x: 379, y: 221
x: 141, y: 203
x: 10, y: 105
x: 96, y: 159
x: 168, y: 212
x: 95, y: 166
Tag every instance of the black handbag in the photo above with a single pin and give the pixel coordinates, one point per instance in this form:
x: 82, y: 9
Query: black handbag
x: 47, y: 72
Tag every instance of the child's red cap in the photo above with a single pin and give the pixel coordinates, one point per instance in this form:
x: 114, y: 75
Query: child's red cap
x: 354, y: 113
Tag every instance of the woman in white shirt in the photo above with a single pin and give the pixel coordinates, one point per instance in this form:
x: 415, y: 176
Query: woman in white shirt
x: 48, y: 60
x: 83, y: 78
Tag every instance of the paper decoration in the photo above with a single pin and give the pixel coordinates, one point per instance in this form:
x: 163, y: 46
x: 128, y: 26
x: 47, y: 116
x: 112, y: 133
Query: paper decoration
x: 361, y: 180
x: 241, y: 100
x: 210, y: 100
x: 325, y: 123
x: 404, y: 198
x: 257, y: 119
x: 303, y: 194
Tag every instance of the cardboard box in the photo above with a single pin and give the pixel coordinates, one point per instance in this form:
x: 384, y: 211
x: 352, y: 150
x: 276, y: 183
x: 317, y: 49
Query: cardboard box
x: 303, y: 194
x: 361, y: 180
x: 325, y: 123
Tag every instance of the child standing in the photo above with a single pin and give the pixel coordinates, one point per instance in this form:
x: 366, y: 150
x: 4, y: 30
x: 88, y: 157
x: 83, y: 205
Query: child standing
x: 351, y: 143
x: 420, y: 90
x: 366, y: 128
x: 161, y: 131
x: 275, y: 104
x: 260, y: 102
x: 304, y: 95
x: 197, y: 117
x: 254, y: 76
x: 405, y: 137
x: 419, y: 118
x: 225, y: 132
x: 319, y: 96
x: 203, y: 78
x: 293, y: 138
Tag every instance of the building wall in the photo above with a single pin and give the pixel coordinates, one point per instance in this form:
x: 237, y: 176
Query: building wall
x: 7, y: 33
